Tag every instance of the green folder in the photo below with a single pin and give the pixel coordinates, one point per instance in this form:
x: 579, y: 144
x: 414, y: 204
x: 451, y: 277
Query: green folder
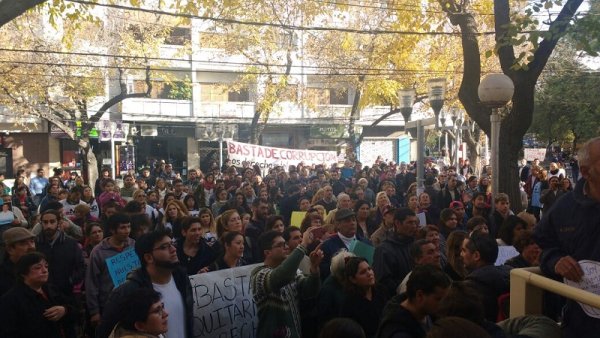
x: 362, y: 250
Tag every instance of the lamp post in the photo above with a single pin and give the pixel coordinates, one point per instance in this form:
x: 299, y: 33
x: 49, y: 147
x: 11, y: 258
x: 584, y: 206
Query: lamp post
x: 436, y: 89
x: 459, y: 124
x: 495, y: 91
x: 407, y: 99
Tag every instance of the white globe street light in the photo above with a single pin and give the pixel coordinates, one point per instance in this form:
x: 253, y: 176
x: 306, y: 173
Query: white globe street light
x: 495, y: 91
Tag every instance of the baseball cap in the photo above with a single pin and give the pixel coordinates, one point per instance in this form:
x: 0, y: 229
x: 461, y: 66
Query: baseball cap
x: 456, y: 204
x: 343, y: 214
x: 16, y: 234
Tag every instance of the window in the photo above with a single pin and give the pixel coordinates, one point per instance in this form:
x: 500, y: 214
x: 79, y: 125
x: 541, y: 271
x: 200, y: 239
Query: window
x: 290, y: 94
x: 338, y: 96
x: 179, y: 36
x: 317, y: 96
x: 239, y: 96
x: 212, y: 92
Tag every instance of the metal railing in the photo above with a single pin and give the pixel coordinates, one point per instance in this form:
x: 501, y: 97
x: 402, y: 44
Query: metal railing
x: 528, y: 285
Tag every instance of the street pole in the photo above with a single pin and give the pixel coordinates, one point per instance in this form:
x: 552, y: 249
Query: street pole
x: 420, y: 159
x: 495, y: 158
x: 457, y: 144
x: 112, y: 150
x: 220, y: 151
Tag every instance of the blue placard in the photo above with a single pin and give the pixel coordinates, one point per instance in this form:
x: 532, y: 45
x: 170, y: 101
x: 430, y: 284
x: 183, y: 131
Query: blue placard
x: 120, y: 265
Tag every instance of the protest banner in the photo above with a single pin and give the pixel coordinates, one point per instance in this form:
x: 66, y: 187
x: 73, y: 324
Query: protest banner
x: 531, y: 154
x: 120, y: 265
x: 270, y: 157
x: 223, y: 304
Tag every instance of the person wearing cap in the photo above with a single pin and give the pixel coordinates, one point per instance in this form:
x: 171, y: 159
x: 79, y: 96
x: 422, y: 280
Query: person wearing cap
x: 17, y: 242
x: 385, y: 230
x: 346, y: 226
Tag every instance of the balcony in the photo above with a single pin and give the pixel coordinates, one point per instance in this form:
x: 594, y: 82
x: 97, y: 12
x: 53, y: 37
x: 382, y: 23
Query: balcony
x: 224, y: 110
x: 134, y: 109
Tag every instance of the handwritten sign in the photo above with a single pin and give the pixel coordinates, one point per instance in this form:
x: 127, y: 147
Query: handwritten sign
x: 223, y: 304
x: 531, y: 154
x: 589, y: 282
x: 120, y: 265
x: 505, y: 252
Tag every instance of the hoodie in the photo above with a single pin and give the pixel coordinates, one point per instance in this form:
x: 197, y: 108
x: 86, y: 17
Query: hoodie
x: 392, y: 261
x: 491, y: 282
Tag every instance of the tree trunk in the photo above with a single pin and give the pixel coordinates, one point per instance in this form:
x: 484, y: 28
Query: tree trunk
x: 509, y: 149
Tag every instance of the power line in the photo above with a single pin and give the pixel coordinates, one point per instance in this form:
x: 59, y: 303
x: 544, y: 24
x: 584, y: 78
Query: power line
x: 172, y: 70
x: 209, y: 62
x: 277, y: 25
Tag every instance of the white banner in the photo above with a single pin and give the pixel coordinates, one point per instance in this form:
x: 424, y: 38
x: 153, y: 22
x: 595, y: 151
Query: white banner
x: 223, y: 304
x: 533, y: 153
x: 269, y: 157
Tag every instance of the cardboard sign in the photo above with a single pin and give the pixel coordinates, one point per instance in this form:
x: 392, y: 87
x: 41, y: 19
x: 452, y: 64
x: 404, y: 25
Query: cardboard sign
x: 531, y: 154
x: 120, y: 265
x: 270, y: 157
x: 297, y: 217
x: 223, y: 304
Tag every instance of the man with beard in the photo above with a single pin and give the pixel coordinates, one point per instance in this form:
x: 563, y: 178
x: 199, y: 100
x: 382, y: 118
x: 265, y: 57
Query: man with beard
x: 479, y: 253
x: 17, y: 242
x: 160, y: 271
x: 98, y: 283
x: 260, y: 212
x: 63, y: 253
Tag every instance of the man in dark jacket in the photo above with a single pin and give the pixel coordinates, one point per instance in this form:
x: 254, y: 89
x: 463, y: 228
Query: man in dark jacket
x: 161, y: 271
x: 260, y: 212
x: 392, y: 260
x: 568, y: 233
x: 64, y: 255
x: 408, y: 315
x: 479, y: 253
x: 345, y: 223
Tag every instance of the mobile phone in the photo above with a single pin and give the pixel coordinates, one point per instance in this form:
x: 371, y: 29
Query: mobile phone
x: 319, y: 232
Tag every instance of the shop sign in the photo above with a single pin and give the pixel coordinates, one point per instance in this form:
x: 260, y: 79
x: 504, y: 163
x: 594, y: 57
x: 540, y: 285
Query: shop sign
x: 339, y: 131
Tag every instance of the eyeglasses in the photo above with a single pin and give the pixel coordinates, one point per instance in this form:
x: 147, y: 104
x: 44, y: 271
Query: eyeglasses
x: 279, y: 245
x: 159, y: 311
x: 166, y: 246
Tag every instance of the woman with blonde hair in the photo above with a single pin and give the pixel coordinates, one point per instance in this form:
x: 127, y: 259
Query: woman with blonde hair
x: 230, y: 220
x: 318, y: 196
x: 174, y: 214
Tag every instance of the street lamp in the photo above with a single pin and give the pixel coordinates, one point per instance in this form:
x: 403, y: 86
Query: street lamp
x: 458, y: 120
x: 436, y: 89
x: 407, y: 99
x: 495, y: 91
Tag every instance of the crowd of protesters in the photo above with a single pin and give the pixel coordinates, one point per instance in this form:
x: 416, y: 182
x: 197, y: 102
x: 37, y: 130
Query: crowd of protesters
x: 58, y: 232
